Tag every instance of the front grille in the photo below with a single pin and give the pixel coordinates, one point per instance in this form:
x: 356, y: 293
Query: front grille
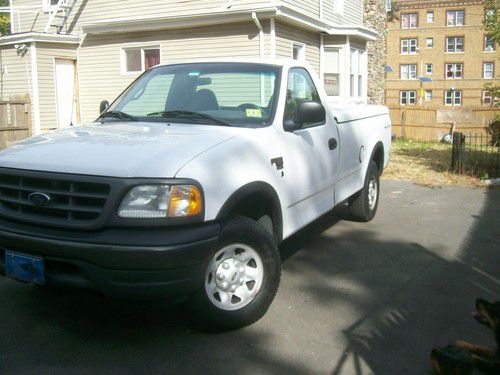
x: 72, y: 201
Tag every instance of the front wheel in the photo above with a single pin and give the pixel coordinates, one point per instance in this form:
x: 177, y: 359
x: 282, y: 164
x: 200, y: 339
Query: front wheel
x: 241, y: 279
x: 363, y: 205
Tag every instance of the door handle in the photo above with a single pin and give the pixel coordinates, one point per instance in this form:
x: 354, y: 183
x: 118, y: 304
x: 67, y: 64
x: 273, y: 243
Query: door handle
x: 332, y: 143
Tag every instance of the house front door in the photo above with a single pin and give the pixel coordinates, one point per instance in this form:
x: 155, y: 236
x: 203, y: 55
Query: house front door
x: 66, y: 98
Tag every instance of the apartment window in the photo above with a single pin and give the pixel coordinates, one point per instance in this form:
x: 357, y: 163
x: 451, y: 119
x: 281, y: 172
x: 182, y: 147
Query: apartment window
x: 489, y: 43
x: 388, y: 5
x: 429, y: 69
x: 430, y: 17
x: 429, y: 42
x: 332, y: 71
x: 455, y: 44
x: 488, y: 70
x: 455, y: 18
x: 409, y: 46
x: 408, y: 71
x: 338, y: 5
x: 299, y: 51
x: 408, y: 97
x: 454, y: 71
x: 409, y: 21
x: 428, y: 95
x: 139, y: 59
x: 487, y: 98
x: 358, y: 67
x: 453, y: 97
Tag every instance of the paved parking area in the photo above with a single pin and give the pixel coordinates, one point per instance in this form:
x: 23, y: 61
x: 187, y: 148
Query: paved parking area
x: 355, y: 299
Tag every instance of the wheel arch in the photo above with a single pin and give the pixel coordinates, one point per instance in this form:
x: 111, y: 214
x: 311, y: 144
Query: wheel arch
x: 247, y: 196
x: 378, y: 156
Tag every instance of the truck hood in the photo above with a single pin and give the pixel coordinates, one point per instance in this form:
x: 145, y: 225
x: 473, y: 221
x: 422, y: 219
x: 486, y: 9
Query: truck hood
x: 117, y: 149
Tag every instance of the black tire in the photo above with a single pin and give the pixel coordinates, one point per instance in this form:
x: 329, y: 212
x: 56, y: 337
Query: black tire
x: 207, y: 315
x: 359, y: 206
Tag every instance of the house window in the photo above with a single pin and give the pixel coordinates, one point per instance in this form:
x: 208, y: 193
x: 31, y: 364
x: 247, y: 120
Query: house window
x: 487, y: 98
x: 454, y: 71
x: 489, y: 43
x: 49, y: 4
x: 388, y: 5
x: 455, y: 18
x: 429, y: 69
x: 408, y: 97
x: 409, y: 21
x: 358, y: 67
x: 409, y: 46
x: 338, y: 6
x: 408, y: 71
x: 429, y: 42
x: 453, y: 97
x: 455, y: 44
x: 428, y: 95
x: 488, y: 69
x: 332, y: 71
x: 139, y: 59
x: 430, y: 17
x: 299, y: 51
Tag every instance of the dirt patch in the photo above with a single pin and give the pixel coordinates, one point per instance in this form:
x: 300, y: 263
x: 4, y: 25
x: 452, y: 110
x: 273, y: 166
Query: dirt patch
x: 426, y: 164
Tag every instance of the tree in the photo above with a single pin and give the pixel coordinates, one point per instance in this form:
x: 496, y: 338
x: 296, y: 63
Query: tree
x: 4, y: 19
x: 492, y: 20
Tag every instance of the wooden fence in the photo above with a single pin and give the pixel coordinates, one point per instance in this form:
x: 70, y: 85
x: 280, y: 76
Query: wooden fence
x: 15, y: 119
x: 432, y: 124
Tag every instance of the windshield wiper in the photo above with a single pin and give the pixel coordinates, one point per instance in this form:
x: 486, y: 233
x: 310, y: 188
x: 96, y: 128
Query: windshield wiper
x: 188, y: 115
x: 119, y: 115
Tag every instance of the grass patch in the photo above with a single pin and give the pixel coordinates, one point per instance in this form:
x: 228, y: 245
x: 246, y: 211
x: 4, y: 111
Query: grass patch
x: 426, y: 164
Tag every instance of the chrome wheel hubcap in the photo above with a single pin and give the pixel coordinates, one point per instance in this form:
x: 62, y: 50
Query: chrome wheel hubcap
x: 372, y: 193
x: 234, y: 277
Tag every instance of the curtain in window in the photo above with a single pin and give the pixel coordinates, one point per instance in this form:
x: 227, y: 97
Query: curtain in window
x: 151, y: 58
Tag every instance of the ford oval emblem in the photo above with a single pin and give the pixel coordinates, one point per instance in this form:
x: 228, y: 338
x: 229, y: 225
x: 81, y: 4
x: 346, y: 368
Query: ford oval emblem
x: 39, y: 199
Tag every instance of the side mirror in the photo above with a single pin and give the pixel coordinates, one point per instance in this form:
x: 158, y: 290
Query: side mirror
x: 103, y: 106
x: 310, y: 113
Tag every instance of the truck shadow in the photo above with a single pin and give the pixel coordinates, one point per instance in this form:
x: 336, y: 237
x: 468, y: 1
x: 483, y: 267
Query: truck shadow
x: 402, y: 297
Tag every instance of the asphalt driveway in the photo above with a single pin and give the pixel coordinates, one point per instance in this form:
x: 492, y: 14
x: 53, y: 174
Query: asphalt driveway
x: 354, y: 299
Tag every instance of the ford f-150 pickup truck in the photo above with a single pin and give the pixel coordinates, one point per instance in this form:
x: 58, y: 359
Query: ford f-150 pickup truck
x: 186, y: 185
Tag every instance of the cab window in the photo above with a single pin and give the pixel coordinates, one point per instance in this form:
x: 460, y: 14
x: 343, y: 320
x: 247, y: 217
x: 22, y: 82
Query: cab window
x: 300, y: 89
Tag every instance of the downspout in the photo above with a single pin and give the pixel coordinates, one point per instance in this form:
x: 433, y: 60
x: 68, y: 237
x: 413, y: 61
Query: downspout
x: 261, y: 34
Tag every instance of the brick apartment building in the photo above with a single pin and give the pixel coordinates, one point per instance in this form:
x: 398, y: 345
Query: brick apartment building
x: 443, y: 41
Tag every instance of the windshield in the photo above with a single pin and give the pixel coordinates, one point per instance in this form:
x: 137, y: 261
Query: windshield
x: 235, y: 94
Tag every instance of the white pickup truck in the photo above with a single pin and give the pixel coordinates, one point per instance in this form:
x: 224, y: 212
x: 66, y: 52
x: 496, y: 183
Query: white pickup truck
x: 186, y: 185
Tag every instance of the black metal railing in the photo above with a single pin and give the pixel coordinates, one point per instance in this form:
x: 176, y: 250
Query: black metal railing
x: 476, y: 154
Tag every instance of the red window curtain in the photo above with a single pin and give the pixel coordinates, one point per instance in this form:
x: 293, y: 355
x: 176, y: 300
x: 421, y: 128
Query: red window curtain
x: 151, y: 57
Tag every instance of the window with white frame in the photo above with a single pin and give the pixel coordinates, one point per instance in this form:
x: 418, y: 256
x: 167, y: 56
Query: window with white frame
x: 332, y: 71
x: 488, y: 70
x: 455, y: 44
x: 428, y: 95
x: 454, y: 71
x: 409, y: 20
x: 408, y: 97
x: 408, y: 71
x: 453, y: 97
x: 429, y: 42
x: 298, y: 51
x: 487, y: 98
x: 409, y: 46
x: 139, y: 59
x: 338, y: 6
x: 49, y: 4
x: 489, y: 43
x: 430, y: 17
x: 388, y: 5
x: 358, y: 67
x: 429, y: 68
x: 455, y: 17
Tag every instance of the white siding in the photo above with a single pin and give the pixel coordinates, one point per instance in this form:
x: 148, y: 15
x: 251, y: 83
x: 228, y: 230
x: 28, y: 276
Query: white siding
x: 353, y: 12
x: 100, y: 61
x: 15, y: 72
x: 286, y: 35
x: 308, y: 7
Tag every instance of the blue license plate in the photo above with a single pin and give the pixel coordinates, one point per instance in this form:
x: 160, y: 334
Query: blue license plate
x: 25, y: 268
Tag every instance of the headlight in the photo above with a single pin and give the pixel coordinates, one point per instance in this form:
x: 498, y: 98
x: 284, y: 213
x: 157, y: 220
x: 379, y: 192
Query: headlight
x: 161, y: 201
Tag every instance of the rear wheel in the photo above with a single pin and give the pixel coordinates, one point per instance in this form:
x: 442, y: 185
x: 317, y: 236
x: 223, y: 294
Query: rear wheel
x: 363, y: 205
x: 241, y: 279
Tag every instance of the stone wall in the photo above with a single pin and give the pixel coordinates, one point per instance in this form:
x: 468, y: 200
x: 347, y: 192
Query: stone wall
x: 376, y: 18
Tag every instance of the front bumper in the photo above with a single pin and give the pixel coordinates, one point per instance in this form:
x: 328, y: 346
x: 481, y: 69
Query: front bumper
x: 119, y: 262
